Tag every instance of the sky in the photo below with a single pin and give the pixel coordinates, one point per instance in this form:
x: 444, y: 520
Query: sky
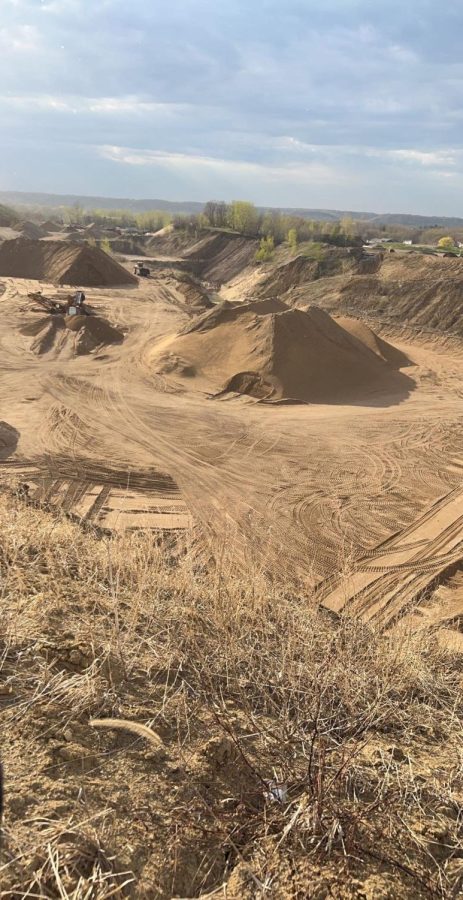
x: 340, y: 104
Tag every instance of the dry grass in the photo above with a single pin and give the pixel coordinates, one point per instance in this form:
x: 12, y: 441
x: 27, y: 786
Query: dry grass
x: 297, y: 755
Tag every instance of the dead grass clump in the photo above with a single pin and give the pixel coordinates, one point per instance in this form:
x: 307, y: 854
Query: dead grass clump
x: 293, y: 749
x: 69, y: 862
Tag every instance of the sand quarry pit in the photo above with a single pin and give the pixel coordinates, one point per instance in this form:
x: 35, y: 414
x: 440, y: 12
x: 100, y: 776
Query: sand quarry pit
x: 59, y: 262
x: 272, y: 352
x: 374, y: 439
x: 120, y: 490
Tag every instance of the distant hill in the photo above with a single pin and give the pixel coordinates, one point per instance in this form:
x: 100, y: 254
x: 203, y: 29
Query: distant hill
x: 55, y: 201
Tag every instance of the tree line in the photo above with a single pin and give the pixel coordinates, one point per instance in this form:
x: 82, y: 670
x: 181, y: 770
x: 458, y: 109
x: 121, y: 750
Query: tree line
x: 271, y: 226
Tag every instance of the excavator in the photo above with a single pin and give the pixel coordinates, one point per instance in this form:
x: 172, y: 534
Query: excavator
x: 141, y: 270
x: 74, y: 305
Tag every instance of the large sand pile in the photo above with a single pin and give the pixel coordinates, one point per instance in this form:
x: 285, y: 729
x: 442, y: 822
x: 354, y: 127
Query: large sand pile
x: 70, y: 335
x: 60, y: 262
x: 270, y: 351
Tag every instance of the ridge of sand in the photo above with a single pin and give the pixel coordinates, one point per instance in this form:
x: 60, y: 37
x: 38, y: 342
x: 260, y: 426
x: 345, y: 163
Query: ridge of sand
x: 59, y: 262
x: 270, y: 351
x: 373, y: 341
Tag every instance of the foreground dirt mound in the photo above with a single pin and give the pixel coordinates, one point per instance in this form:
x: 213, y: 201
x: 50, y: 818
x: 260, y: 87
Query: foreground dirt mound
x: 71, y: 335
x: 60, y: 262
x: 269, y: 351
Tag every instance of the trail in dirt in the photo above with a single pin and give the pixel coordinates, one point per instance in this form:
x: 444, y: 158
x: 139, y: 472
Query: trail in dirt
x: 387, y: 580
x: 299, y: 489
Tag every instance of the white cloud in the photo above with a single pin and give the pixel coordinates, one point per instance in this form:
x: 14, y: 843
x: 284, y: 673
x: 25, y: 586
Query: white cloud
x: 431, y: 158
x: 116, y: 106
x: 19, y: 39
x: 306, y: 173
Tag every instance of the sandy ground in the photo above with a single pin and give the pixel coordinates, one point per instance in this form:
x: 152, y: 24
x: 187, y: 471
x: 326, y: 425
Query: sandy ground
x: 303, y: 489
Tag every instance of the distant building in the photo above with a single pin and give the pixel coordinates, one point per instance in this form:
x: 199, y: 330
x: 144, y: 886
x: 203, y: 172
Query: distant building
x: 408, y: 243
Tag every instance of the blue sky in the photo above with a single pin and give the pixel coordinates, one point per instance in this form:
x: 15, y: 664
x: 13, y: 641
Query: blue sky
x: 345, y: 104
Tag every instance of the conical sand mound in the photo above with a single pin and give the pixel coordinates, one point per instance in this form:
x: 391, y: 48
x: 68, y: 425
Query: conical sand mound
x: 270, y: 351
x: 61, y: 262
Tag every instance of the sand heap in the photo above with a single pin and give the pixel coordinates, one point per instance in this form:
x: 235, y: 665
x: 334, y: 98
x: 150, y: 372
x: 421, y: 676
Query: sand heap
x: 270, y: 351
x: 60, y: 262
x: 70, y: 335
x: 31, y: 230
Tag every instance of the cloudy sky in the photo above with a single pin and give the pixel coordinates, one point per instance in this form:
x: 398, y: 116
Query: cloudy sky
x: 346, y: 104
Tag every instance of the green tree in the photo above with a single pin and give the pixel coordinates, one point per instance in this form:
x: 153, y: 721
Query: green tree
x: 266, y: 249
x: 347, y: 227
x: 244, y: 217
x: 216, y: 213
x: 292, y: 240
x: 446, y: 243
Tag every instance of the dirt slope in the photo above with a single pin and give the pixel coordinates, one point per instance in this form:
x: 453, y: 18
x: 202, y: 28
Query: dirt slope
x: 374, y: 342
x: 422, y: 291
x: 169, y: 243
x: 285, y: 278
x: 193, y: 292
x: 220, y: 256
x: 61, y: 263
x: 272, y: 352
x: 417, y: 290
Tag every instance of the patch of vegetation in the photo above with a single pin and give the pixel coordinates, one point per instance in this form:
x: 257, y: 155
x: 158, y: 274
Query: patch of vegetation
x: 312, y: 250
x: 284, y: 751
x: 266, y: 249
